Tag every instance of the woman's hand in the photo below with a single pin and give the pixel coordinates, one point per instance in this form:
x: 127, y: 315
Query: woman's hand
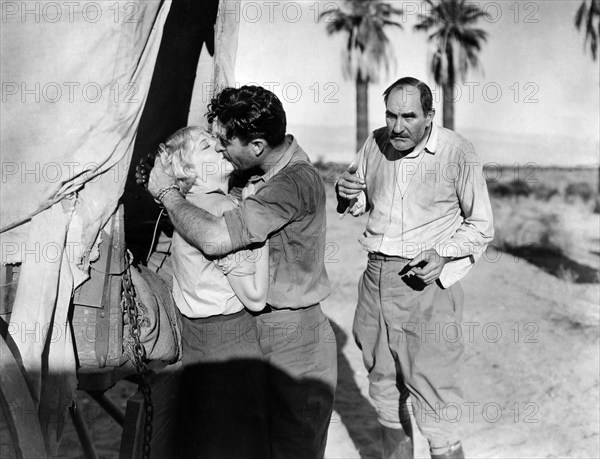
x: 142, y: 170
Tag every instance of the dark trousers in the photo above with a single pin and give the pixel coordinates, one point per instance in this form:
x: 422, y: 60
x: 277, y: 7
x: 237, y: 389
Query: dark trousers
x: 300, y: 351
x: 224, y: 389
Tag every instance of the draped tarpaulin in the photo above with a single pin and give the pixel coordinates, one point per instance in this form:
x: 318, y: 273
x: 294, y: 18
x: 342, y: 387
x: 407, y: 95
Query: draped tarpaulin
x: 181, y: 87
x: 74, y: 76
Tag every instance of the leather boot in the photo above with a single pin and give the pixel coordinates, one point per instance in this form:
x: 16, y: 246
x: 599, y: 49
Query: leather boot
x: 395, y: 444
x: 454, y: 452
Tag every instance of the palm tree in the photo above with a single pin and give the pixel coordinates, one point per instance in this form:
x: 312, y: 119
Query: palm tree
x: 457, y: 45
x: 591, y: 15
x: 367, y: 49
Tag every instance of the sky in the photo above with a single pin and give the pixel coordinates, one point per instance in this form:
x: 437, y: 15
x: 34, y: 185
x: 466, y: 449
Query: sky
x: 535, y: 98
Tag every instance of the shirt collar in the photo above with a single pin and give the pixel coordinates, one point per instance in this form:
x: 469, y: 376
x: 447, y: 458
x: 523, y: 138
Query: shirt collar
x: 431, y: 145
x: 283, y: 161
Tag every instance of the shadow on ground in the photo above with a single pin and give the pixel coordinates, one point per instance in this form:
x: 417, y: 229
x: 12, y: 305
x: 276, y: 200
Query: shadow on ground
x: 557, y: 264
x: 356, y: 413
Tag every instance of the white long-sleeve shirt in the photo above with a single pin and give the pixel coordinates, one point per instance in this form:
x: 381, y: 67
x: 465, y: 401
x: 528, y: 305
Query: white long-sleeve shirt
x: 433, y: 198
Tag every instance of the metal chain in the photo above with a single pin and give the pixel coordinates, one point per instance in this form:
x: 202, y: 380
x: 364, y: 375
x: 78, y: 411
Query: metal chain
x: 131, y: 306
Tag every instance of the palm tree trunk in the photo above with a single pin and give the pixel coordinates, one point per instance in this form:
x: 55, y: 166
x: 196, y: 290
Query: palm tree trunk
x: 448, y: 90
x: 362, y: 111
x: 448, y: 106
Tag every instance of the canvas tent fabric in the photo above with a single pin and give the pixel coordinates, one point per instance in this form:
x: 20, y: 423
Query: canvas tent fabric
x: 74, y: 81
x: 73, y: 92
x: 178, y: 95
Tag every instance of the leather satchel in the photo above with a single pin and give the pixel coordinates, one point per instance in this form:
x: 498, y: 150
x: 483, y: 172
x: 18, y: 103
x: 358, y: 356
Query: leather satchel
x: 159, y: 319
x: 101, y: 327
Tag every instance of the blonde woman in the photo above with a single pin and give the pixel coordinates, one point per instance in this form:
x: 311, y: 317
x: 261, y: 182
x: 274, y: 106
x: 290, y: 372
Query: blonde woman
x: 223, y: 413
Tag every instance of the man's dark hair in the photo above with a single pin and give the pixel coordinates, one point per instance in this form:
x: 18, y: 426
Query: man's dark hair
x: 248, y: 113
x: 424, y: 91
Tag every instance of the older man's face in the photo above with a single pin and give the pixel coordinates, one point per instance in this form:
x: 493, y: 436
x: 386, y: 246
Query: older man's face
x: 406, y: 122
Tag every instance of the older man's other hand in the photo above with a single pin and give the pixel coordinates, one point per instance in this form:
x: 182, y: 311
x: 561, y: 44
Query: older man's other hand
x: 431, y: 270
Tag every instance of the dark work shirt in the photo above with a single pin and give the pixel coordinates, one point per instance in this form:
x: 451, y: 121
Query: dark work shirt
x: 288, y: 208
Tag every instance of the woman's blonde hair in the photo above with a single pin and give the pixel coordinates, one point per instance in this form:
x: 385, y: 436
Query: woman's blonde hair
x: 180, y: 147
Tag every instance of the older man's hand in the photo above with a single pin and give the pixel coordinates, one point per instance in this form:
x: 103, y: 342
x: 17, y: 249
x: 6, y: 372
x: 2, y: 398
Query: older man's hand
x: 349, y: 185
x: 432, y: 265
x: 159, y: 178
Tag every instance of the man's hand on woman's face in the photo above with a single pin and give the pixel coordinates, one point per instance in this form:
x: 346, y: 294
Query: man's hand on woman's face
x: 159, y: 178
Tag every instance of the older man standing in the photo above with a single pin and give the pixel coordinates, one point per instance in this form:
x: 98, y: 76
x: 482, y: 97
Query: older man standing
x: 429, y: 220
x: 288, y: 208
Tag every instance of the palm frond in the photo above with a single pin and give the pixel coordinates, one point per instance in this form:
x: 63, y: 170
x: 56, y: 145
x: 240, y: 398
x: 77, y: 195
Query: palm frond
x: 450, y: 25
x: 589, y: 16
x: 368, y: 48
x: 581, y: 13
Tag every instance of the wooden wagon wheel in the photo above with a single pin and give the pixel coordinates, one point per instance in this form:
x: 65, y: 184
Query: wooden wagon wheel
x: 18, y: 409
x: 21, y: 434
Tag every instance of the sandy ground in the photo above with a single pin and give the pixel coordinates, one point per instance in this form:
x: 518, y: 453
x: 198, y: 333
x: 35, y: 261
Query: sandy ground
x: 531, y: 370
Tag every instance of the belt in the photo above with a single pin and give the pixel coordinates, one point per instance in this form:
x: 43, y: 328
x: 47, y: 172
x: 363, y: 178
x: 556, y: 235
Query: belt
x: 383, y: 257
x: 269, y: 309
x: 216, y: 318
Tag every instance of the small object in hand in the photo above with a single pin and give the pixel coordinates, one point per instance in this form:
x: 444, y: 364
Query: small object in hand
x: 407, y: 267
x: 350, y: 206
x: 410, y: 278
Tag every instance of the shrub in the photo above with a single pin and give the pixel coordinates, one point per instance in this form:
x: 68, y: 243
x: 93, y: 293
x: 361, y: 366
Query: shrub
x: 544, y: 192
x: 514, y: 188
x: 582, y: 190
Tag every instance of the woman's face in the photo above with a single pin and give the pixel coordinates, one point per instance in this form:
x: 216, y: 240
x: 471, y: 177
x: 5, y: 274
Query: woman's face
x: 212, y: 169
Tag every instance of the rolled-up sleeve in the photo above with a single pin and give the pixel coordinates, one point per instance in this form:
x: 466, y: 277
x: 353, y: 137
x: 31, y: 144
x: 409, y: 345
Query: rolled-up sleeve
x: 271, y: 208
